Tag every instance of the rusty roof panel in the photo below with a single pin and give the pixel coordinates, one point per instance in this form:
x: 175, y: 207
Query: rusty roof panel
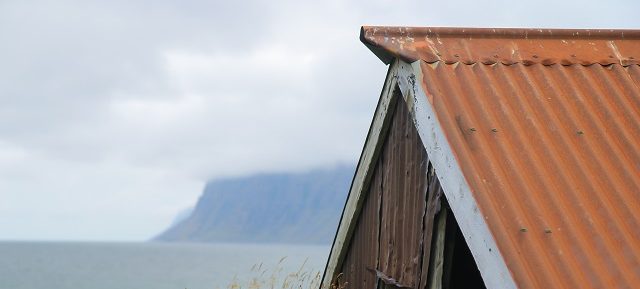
x: 550, y: 150
x: 553, y: 150
x: 506, y: 46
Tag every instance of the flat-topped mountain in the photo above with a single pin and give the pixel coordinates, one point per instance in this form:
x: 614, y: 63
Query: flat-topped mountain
x: 267, y: 208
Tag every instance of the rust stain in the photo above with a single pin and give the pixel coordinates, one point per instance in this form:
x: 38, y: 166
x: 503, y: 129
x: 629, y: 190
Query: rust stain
x: 549, y: 143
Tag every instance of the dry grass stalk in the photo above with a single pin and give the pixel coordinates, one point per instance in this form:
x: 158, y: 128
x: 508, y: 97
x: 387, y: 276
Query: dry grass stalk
x: 275, y: 279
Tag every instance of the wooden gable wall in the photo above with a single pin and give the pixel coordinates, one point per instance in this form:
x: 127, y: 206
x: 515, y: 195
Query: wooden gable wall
x: 392, y: 238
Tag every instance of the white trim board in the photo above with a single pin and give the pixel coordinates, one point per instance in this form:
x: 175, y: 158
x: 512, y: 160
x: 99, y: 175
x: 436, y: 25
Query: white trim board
x: 475, y: 230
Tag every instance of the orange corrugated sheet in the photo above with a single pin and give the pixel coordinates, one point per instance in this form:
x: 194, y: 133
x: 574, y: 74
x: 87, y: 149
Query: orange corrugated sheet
x: 548, y: 138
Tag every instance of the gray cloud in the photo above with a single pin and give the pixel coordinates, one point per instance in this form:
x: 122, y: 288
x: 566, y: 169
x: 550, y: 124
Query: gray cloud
x: 113, y: 114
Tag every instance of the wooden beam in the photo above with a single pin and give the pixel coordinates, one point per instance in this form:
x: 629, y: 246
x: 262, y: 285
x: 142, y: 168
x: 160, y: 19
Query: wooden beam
x: 449, y: 249
x: 433, y: 193
x: 436, y: 266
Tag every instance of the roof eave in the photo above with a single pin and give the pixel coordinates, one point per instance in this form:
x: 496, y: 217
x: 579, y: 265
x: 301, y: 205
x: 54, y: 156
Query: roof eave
x: 503, y: 45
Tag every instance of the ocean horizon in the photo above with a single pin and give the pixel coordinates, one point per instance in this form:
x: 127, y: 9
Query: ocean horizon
x: 154, y: 265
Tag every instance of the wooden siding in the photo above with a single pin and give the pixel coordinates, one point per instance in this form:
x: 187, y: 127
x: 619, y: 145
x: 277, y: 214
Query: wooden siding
x: 397, y: 215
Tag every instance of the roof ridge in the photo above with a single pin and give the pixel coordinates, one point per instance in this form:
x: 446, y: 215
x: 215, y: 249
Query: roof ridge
x: 510, y: 32
x: 526, y: 63
x: 504, y: 45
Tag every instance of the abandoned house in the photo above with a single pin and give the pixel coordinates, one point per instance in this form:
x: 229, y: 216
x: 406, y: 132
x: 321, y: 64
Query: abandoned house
x: 497, y: 158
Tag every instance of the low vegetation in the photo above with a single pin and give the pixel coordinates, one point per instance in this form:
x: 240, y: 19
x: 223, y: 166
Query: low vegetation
x: 275, y: 278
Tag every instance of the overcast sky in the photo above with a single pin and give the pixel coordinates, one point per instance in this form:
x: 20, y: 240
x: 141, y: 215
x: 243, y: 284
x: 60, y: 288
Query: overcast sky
x: 113, y: 114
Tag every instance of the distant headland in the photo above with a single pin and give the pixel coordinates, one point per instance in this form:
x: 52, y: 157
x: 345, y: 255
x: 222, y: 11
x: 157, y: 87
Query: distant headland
x: 267, y: 208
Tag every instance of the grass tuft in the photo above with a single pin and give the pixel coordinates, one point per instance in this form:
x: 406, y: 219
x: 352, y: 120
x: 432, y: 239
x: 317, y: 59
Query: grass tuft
x: 275, y: 278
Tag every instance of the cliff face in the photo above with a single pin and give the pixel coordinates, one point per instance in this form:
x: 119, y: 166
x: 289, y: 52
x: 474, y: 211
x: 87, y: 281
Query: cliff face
x: 273, y: 208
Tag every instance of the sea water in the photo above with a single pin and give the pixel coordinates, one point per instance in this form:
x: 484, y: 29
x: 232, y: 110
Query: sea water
x: 71, y: 265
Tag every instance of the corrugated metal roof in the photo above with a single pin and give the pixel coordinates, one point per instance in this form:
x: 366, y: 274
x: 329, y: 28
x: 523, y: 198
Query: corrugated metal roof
x: 545, y: 125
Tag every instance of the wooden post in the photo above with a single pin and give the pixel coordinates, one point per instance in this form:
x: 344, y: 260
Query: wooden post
x: 437, y: 254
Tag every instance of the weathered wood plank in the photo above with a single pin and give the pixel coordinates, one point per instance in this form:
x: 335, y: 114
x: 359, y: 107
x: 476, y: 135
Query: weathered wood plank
x: 362, y: 178
x: 437, y: 259
x: 434, y: 192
